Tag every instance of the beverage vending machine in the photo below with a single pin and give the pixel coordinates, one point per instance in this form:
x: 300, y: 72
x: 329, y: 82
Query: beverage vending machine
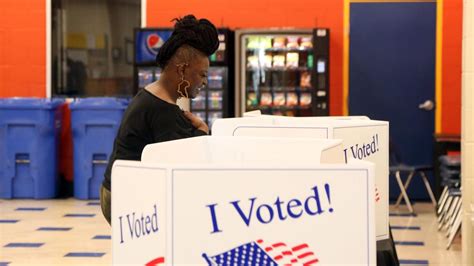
x: 282, y: 72
x: 217, y: 99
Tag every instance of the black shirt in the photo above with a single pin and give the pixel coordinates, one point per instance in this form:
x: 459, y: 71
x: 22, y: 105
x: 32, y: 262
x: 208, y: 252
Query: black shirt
x: 148, y: 119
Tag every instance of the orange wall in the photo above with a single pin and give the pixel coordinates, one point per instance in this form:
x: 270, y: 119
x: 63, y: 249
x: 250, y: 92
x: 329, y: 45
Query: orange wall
x: 23, y: 33
x: 22, y: 48
x: 452, y: 63
x: 262, y: 14
x: 313, y: 13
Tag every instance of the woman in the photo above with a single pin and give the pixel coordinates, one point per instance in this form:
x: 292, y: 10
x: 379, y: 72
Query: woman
x: 153, y: 115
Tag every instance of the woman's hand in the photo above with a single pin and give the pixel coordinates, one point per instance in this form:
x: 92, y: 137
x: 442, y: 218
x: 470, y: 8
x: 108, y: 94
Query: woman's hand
x: 196, y: 122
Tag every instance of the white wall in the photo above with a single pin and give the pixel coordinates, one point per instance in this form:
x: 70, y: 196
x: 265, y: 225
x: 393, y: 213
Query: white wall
x: 468, y: 133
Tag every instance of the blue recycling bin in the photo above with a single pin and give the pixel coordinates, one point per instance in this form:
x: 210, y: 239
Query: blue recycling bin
x: 94, y: 122
x: 29, y: 136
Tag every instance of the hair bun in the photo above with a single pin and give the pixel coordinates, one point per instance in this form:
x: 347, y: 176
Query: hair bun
x: 188, y: 22
x: 200, y: 34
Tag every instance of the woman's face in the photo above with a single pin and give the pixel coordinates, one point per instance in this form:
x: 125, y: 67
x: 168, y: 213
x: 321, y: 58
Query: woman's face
x: 196, y: 74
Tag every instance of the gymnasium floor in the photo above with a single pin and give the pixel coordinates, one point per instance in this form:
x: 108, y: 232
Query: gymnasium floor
x: 73, y: 232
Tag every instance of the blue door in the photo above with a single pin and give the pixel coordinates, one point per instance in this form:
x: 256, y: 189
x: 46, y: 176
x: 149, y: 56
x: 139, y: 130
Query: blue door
x: 391, y: 72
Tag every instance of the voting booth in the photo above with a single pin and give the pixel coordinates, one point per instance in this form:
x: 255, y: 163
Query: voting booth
x: 362, y: 139
x: 237, y: 201
x: 258, y: 113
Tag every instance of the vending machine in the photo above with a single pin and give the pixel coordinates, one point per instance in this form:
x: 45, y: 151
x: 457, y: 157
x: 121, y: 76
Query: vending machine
x: 282, y: 72
x: 217, y: 99
x: 147, y: 43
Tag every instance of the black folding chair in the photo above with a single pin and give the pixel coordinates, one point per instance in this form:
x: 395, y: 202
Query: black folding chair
x: 397, y: 168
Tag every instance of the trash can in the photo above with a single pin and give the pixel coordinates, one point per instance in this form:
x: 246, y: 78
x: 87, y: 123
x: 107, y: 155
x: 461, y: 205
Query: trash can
x: 29, y: 130
x: 94, y: 122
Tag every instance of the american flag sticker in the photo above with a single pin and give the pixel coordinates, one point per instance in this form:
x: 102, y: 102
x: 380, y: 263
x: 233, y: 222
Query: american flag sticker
x: 260, y: 253
x: 156, y: 262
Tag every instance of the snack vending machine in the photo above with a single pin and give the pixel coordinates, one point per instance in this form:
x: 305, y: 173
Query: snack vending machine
x: 282, y: 72
x: 217, y: 99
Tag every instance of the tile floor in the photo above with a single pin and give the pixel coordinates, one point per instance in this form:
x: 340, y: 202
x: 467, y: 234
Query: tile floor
x: 418, y: 240
x: 73, y: 232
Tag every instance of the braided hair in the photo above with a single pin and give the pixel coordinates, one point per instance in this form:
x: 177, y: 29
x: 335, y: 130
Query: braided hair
x: 188, y: 31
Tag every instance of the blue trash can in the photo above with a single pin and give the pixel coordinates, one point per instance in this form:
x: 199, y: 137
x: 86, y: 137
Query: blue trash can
x: 29, y: 136
x: 94, y: 122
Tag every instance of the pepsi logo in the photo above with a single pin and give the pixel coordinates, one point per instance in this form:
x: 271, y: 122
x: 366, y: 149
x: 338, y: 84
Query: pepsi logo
x: 154, y: 42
